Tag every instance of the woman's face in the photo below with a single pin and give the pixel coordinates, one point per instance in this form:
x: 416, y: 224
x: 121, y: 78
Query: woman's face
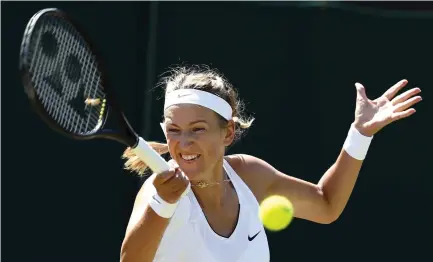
x: 196, y: 139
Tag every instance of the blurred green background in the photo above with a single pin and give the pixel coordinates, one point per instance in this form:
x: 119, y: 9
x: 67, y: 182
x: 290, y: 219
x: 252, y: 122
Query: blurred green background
x: 294, y: 64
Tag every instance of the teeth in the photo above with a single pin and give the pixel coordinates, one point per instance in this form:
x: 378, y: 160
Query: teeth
x: 189, y: 157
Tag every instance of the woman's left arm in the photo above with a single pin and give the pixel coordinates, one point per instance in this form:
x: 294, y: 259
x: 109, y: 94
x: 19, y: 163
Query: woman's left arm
x: 325, y: 201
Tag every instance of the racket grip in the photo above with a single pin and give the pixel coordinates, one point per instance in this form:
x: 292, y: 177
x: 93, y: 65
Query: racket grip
x: 149, y: 156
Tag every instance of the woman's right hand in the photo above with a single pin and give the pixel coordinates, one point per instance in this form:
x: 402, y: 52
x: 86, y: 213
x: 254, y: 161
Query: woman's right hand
x: 171, y: 184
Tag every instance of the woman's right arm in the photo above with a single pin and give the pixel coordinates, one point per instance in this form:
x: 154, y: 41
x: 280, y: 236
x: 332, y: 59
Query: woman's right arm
x: 146, y: 228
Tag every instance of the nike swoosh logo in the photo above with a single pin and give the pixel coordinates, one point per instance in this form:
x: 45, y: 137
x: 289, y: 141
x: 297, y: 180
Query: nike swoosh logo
x: 252, y: 238
x: 154, y: 198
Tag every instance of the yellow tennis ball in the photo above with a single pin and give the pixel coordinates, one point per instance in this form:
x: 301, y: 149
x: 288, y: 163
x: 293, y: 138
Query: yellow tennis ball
x: 276, y: 213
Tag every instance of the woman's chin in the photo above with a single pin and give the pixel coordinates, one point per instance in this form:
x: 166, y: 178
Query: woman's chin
x: 192, y: 174
x: 192, y: 169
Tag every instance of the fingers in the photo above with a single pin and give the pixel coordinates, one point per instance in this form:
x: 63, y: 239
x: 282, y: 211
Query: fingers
x: 406, y: 95
x: 178, y: 176
x: 406, y: 104
x: 392, y: 91
x: 171, y: 185
x: 404, y: 101
x: 360, y: 91
x: 404, y: 114
x: 177, y: 182
x: 164, y: 176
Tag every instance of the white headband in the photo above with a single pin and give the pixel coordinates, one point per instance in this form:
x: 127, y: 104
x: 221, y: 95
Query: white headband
x: 202, y: 98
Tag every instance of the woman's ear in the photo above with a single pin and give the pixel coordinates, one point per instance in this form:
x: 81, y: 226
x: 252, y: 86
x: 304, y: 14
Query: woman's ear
x: 229, y: 133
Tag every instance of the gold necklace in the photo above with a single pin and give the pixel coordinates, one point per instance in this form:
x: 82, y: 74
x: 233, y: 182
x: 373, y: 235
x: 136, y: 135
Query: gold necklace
x: 203, y: 184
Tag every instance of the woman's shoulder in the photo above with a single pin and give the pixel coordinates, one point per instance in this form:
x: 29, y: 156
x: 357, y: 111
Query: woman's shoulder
x: 255, y: 172
x: 248, y: 163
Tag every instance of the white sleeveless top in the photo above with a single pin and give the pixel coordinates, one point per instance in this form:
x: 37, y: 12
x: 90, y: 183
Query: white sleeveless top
x: 190, y: 238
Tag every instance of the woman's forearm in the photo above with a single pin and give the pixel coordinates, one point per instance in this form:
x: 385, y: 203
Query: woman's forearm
x: 338, y: 182
x: 142, y: 240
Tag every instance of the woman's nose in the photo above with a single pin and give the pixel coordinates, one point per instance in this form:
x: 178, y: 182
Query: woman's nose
x: 186, y: 141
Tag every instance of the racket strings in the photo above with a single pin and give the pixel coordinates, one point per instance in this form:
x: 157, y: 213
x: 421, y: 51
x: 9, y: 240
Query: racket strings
x: 65, y: 75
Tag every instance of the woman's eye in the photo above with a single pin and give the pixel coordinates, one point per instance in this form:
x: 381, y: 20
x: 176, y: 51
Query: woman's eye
x: 171, y: 130
x: 198, y: 129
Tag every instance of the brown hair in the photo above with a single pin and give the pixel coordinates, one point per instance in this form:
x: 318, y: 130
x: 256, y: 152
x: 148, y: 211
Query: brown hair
x: 201, y: 78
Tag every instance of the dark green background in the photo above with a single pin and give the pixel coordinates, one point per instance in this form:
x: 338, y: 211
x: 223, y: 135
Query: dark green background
x: 295, y: 67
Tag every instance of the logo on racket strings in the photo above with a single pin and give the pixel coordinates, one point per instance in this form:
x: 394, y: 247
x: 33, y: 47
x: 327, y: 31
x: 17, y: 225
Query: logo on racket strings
x: 65, y: 68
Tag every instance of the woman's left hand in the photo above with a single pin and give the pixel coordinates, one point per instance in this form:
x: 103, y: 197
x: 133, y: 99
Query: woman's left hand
x: 373, y: 115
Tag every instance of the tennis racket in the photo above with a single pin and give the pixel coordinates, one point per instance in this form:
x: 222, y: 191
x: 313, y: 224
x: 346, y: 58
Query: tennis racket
x: 66, y: 86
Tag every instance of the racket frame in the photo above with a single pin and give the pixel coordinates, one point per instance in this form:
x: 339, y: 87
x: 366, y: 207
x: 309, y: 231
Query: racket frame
x: 129, y: 137
x: 24, y: 68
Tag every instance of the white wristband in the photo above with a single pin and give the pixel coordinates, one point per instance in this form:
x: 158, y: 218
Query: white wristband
x: 161, y: 207
x: 356, y: 144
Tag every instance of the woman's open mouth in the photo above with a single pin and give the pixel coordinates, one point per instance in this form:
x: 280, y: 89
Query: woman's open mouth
x: 189, y: 158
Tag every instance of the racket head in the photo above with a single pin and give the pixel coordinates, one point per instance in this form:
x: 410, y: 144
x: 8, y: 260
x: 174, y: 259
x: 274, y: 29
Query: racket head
x: 61, y: 76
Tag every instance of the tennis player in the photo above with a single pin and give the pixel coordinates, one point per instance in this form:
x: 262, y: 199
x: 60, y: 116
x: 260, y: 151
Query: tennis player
x: 205, y: 208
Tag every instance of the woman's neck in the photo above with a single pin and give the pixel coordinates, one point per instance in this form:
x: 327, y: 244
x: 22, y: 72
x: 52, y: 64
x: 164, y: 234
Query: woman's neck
x: 212, y: 192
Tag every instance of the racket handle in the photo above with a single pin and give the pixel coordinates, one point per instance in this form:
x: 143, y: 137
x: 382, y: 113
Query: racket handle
x: 149, y: 156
